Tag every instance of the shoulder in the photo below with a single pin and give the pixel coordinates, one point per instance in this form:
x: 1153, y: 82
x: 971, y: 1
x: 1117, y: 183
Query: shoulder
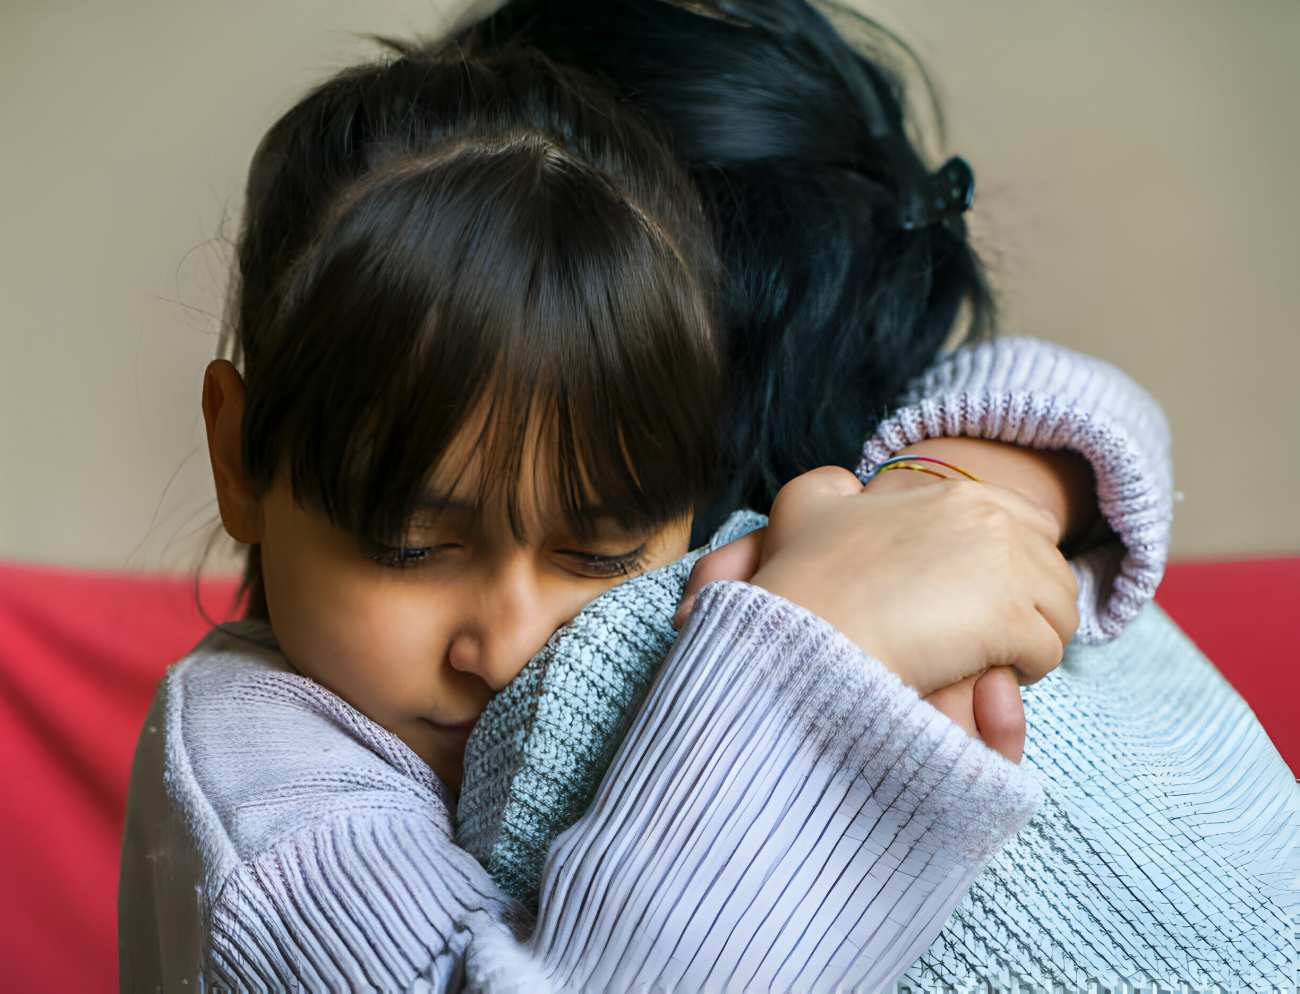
x: 254, y: 751
x: 379, y: 900
x: 308, y: 831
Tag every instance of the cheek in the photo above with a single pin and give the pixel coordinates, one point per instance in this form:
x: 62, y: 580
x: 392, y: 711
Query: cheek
x: 374, y: 642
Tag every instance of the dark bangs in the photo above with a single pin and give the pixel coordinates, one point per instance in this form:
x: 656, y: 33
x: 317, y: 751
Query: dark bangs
x: 497, y: 270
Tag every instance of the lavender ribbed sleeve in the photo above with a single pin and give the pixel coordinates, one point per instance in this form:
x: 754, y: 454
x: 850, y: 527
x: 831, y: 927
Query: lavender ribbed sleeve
x: 1039, y: 394
x: 783, y: 814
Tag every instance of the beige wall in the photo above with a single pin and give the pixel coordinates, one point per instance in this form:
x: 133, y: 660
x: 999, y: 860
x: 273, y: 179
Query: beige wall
x: 1136, y: 195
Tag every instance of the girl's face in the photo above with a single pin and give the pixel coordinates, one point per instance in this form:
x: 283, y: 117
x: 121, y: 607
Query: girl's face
x: 427, y: 643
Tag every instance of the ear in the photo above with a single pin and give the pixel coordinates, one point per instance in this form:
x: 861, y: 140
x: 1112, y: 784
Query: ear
x: 223, y: 414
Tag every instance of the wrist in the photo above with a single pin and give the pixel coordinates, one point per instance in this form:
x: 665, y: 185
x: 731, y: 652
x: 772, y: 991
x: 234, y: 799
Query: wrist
x: 894, y: 480
x: 1059, y: 480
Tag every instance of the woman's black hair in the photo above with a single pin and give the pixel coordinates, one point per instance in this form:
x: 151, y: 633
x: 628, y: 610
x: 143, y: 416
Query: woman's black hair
x: 449, y: 227
x: 800, y: 146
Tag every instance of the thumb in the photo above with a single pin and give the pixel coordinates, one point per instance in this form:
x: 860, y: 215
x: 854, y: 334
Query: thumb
x: 1000, y: 712
x: 736, y: 560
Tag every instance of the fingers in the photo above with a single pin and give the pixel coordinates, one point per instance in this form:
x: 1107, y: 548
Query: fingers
x: 987, y: 706
x: 1033, y: 649
x: 834, y: 480
x: 1049, y: 585
x: 1054, y: 590
x: 736, y: 560
x: 955, y: 700
x: 813, y: 486
x: 1057, y: 601
x: 999, y: 712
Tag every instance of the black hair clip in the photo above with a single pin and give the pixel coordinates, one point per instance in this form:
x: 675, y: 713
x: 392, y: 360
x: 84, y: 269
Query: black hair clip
x: 946, y: 193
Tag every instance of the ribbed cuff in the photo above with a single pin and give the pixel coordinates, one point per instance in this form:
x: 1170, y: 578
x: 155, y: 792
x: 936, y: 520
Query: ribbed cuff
x: 1033, y: 393
x: 855, y: 713
x: 783, y: 809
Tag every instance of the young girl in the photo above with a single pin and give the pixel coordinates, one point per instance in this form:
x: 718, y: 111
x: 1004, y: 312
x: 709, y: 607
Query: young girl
x: 476, y: 311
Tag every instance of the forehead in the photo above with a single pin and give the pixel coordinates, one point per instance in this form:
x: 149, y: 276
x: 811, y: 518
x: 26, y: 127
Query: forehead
x: 493, y: 460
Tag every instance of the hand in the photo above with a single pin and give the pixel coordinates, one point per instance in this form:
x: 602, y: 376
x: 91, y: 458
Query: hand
x: 987, y: 707
x: 875, y: 565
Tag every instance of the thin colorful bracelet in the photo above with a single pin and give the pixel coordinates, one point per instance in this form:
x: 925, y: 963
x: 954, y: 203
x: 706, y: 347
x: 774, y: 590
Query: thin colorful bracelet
x: 918, y: 469
x: 900, y: 462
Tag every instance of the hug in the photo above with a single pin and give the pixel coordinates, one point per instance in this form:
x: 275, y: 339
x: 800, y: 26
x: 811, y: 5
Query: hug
x: 662, y: 573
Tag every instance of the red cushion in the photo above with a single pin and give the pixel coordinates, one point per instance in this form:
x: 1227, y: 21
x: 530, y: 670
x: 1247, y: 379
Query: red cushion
x: 1245, y: 616
x: 81, y: 653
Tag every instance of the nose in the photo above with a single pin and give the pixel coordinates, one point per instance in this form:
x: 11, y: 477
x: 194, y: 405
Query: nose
x: 506, y: 617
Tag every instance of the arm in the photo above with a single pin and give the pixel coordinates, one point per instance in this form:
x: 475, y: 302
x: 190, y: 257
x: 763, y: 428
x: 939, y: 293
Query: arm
x: 1029, y: 394
x: 1057, y: 479
x: 783, y: 812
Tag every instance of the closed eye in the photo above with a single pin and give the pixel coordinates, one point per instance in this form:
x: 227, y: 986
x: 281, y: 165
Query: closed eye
x: 604, y: 567
x: 405, y: 557
x: 599, y: 566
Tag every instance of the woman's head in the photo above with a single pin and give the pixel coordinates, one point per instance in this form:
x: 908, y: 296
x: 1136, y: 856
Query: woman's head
x: 480, y: 384
x: 802, y: 149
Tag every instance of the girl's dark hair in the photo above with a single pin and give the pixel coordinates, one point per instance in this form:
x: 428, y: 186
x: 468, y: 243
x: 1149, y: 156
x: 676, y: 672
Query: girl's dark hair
x: 449, y: 226
x: 799, y: 145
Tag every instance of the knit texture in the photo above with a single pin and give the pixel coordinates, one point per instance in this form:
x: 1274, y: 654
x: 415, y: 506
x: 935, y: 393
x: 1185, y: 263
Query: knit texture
x: 1167, y: 849
x: 540, y: 747
x: 783, y: 814
x: 543, y: 743
x: 1140, y: 725
x: 791, y: 817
